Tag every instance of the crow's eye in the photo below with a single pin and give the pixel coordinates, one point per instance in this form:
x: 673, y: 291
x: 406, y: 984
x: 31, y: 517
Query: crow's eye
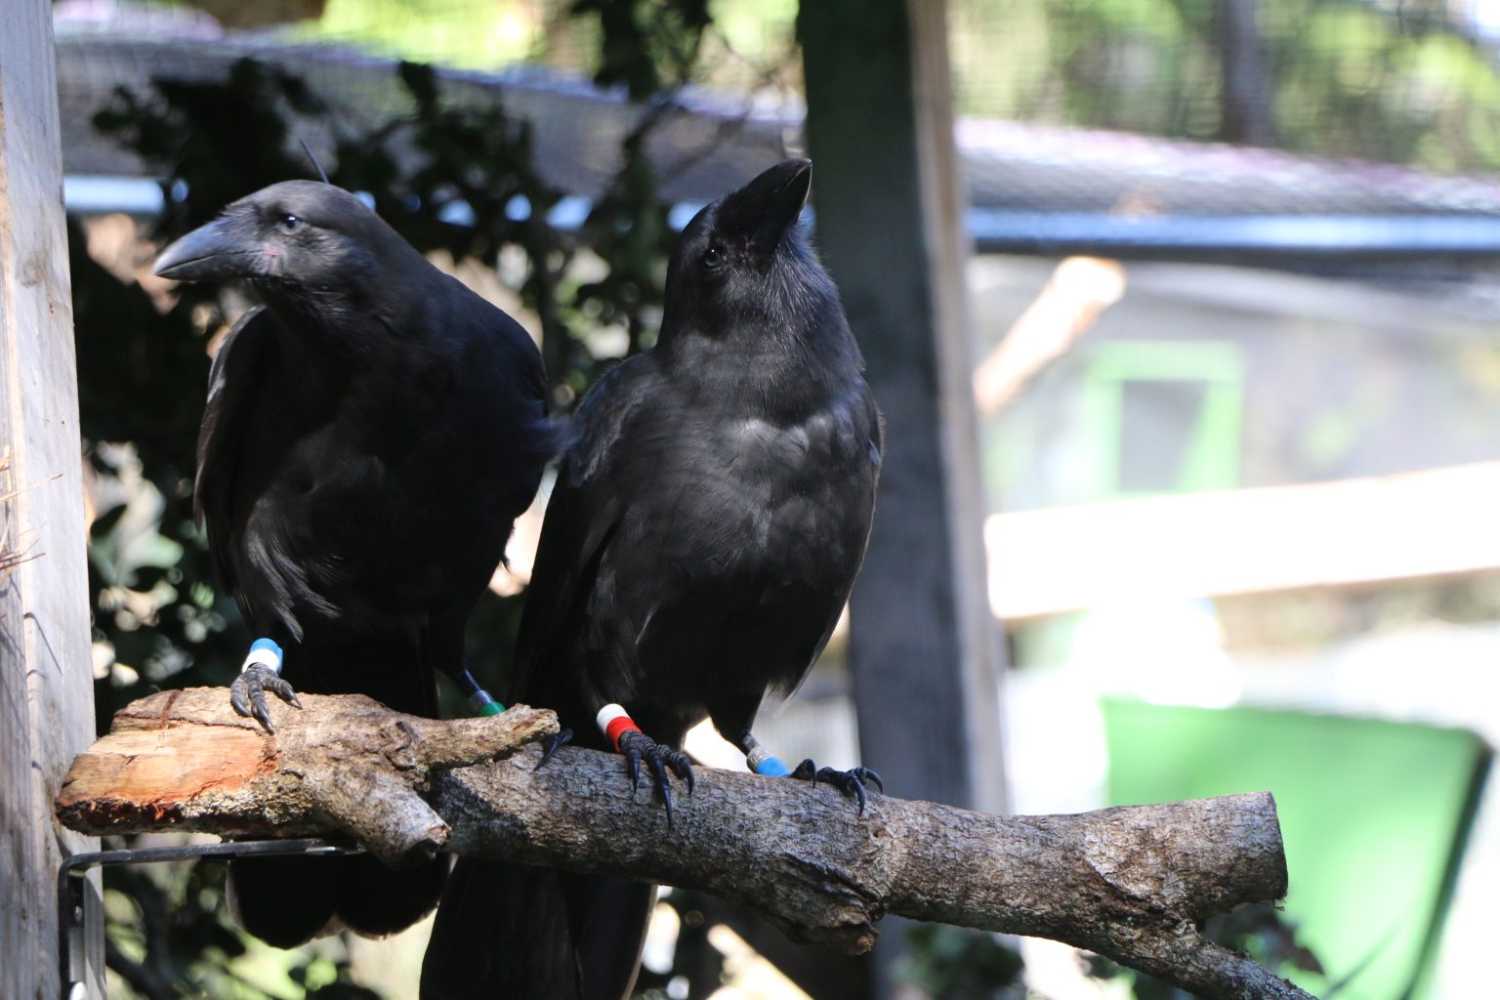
x: 713, y: 257
x: 289, y: 223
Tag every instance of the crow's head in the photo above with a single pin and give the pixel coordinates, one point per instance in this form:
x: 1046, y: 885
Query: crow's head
x: 299, y: 242
x: 743, y: 264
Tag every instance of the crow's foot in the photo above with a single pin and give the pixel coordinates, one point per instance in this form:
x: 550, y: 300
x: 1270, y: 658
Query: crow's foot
x: 637, y: 746
x: 248, y: 693
x: 850, y: 782
x: 554, y: 743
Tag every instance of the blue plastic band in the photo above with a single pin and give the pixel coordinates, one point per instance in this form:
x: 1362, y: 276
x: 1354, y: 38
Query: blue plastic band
x: 771, y: 767
x: 266, y: 653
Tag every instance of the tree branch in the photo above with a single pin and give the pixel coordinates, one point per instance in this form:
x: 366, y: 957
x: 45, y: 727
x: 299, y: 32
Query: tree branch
x: 1128, y: 883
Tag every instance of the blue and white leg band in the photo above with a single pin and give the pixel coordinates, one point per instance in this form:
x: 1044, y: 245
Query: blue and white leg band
x: 767, y: 764
x: 263, y: 653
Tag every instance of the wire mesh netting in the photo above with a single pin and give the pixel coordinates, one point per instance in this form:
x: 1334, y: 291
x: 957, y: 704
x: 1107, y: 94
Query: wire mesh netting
x: 1356, y: 108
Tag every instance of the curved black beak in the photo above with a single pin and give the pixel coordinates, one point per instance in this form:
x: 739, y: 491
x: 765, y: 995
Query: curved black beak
x: 217, y: 251
x: 769, y: 206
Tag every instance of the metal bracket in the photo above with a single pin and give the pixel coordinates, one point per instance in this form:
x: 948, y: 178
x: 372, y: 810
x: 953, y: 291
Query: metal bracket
x: 72, y: 878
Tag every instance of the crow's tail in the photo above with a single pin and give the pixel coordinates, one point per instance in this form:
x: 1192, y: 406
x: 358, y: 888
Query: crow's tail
x: 287, y: 901
x: 511, y: 932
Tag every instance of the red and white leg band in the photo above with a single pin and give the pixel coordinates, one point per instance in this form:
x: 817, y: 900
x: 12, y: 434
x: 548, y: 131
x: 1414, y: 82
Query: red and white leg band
x: 615, y: 722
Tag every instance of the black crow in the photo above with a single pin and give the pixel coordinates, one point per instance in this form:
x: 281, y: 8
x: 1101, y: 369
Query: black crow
x: 370, y: 434
x: 708, y: 520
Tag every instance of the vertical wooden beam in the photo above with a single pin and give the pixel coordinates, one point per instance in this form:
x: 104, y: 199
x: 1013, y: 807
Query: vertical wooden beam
x: 46, y: 678
x: 889, y: 206
x: 889, y: 210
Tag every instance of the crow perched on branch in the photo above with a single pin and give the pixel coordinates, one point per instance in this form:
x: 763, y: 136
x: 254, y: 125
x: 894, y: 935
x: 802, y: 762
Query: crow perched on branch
x: 370, y: 435
x: 708, y: 521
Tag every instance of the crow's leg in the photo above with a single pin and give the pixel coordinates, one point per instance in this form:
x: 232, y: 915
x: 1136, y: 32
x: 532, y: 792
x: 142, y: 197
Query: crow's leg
x: 261, y: 673
x: 479, y: 700
x: 850, y: 782
x: 734, y: 713
x: 660, y: 759
x: 443, y: 648
x: 759, y: 759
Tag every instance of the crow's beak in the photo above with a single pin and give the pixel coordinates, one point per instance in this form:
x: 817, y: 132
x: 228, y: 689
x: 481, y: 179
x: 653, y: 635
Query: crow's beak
x: 213, y: 252
x: 772, y: 202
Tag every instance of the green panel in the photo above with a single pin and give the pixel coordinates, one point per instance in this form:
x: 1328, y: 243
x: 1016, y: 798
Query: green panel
x: 1213, y: 458
x: 1374, y: 816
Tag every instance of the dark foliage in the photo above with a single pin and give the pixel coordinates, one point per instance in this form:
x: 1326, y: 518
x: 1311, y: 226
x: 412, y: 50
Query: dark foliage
x: 948, y: 963
x: 646, y: 45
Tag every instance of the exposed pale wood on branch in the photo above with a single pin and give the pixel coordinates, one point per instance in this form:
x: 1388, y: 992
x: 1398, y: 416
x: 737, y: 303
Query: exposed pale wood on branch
x: 1128, y: 883
x: 184, y: 760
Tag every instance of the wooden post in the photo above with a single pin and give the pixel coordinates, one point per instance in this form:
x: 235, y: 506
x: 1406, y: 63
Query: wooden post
x: 888, y: 206
x: 889, y: 219
x: 46, y: 682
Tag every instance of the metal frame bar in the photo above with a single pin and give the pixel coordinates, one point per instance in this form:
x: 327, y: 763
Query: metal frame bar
x: 1047, y: 233
x: 72, y: 878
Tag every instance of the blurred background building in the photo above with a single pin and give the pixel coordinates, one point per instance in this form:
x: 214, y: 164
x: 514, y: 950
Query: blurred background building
x: 1233, y: 298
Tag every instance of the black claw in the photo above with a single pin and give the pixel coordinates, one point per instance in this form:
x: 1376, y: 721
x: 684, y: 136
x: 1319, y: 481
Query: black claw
x: 847, y: 782
x: 663, y: 786
x: 682, y: 766
x: 247, y: 695
x: 633, y: 767
x: 554, y: 743
x: 285, y: 693
x: 662, y: 762
x: 850, y: 782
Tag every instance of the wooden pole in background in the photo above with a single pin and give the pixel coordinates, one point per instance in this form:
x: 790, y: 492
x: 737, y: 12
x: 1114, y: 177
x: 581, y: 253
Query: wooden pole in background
x: 46, y: 684
x: 889, y: 206
x: 889, y: 225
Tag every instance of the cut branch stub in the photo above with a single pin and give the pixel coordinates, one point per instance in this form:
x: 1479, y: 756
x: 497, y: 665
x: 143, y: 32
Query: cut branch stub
x: 343, y: 765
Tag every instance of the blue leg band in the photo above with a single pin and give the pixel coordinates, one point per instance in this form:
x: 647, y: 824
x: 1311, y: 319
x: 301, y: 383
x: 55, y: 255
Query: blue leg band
x: 264, y: 653
x: 770, y: 766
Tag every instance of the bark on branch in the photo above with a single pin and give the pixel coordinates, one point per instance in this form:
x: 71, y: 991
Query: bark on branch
x: 1128, y: 883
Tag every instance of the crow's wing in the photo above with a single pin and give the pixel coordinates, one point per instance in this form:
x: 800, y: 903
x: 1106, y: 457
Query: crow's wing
x: 582, y: 514
x: 232, y: 382
x: 244, y: 435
